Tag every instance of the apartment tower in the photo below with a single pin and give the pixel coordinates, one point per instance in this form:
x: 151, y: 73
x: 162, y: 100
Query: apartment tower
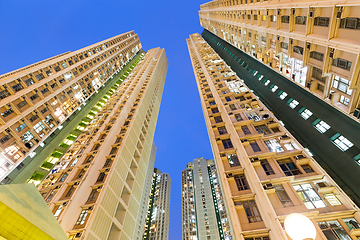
x: 39, y: 100
x: 157, y: 223
x: 309, y: 51
x: 96, y: 189
x: 204, y: 212
x: 265, y: 173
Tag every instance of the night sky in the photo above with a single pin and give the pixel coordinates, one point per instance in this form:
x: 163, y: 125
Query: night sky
x: 32, y: 31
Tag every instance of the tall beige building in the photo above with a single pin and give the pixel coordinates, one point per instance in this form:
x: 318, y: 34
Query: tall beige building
x: 95, y: 191
x: 264, y: 171
x: 36, y: 101
x: 313, y: 43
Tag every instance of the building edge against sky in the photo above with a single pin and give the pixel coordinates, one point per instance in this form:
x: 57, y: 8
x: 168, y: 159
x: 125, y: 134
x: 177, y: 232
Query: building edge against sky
x: 265, y: 173
x: 39, y: 100
x: 100, y: 181
x: 204, y: 211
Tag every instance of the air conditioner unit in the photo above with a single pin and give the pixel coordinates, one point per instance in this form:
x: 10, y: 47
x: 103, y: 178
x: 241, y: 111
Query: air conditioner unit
x: 338, y: 14
x: 254, y: 159
x: 222, y: 155
x: 268, y: 186
x: 298, y: 157
x: 293, y: 11
x: 311, y: 14
x: 308, y: 46
x: 321, y: 184
x: 357, y: 113
x: 331, y: 55
x: 278, y: 12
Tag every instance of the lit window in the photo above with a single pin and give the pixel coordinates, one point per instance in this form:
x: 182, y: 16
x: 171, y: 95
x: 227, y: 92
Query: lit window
x: 309, y: 196
x: 332, y: 199
x: 341, y: 142
x: 274, y: 88
x: 292, y: 103
x: 305, y: 113
x: 321, y: 126
x: 282, y: 95
x: 267, y: 82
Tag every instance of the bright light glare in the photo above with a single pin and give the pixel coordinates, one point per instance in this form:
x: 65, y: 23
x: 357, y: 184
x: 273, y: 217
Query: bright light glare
x: 299, y: 227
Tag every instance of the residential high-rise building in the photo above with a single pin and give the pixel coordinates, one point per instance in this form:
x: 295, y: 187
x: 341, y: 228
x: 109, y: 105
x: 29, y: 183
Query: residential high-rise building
x: 308, y: 52
x: 96, y: 189
x: 265, y: 173
x: 157, y: 223
x: 42, y: 103
x: 204, y: 212
x: 313, y: 43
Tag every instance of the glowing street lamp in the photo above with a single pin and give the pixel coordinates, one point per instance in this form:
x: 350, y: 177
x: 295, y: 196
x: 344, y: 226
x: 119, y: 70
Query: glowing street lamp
x: 299, y: 227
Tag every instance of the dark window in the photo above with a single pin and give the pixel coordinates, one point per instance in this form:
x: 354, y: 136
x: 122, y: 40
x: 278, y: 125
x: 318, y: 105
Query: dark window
x: 317, y: 55
x: 44, y: 110
x: 227, y: 143
x: 93, y: 195
x: 215, y: 110
x: 283, y: 196
x: 222, y: 130
x: 54, y: 85
x: 232, y: 107
x: 71, y: 190
x: 17, y: 87
x: 317, y: 74
x: 262, y: 129
x: 342, y: 63
x: 288, y: 167
x: 101, y: 177
x: 7, y: 112
x: 63, y: 177
x: 300, y: 20
x: 245, y: 130
x: 238, y: 117
x: 298, y: 49
x: 57, y: 68
x: 45, y: 90
x: 4, y: 94
x: 40, y: 76
x: 241, y: 182
x: 35, y: 96
x: 218, y: 119
x: 307, y: 168
x: 212, y: 103
x: 233, y: 160
x: 284, y: 45
x: 33, y: 118
x: 21, y: 104
x: 285, y: 19
x: 321, y: 21
x: 267, y: 167
x: 350, y: 23
x: 252, y: 211
x: 5, y: 139
x: 255, y: 146
x: 62, y: 80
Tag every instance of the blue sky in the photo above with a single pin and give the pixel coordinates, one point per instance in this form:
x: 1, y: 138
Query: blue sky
x: 35, y: 30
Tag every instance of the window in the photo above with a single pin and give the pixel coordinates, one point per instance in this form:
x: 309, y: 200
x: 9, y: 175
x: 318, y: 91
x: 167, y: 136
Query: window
x: 254, y: 116
x: 267, y: 167
x: 29, y: 81
x: 227, y: 143
x: 300, y: 20
x: 266, y: 82
x: 262, y: 129
x: 45, y: 90
x: 263, y: 38
x: 273, y: 145
x: 4, y: 94
x: 309, y: 196
x: 252, y: 211
x: 341, y: 63
x: 320, y: 125
x: 307, y: 168
x: 241, y: 182
x: 288, y: 167
x: 258, y: 238
x: 332, y: 199
x: 63, y: 177
x: 218, y: 119
x: 284, y: 45
x: 7, y: 112
x: 214, y: 110
x: 273, y: 88
x: 238, y: 117
x: 245, y: 130
x: 321, y: 21
x: 350, y: 23
x: 255, y: 147
x: 82, y: 217
x: 282, y: 95
x: 342, y: 84
x: 17, y: 87
x: 38, y: 127
x: 333, y: 230
x: 70, y: 191
x: 58, y: 211
x: 298, y: 49
x: 222, y: 130
x: 317, y: 55
x: 351, y: 223
x: 44, y: 110
x: 344, y: 100
x: 21, y: 104
x: 292, y: 103
x: 57, y: 69
x: 21, y: 127
x: 33, y: 118
x: 93, y: 195
x: 317, y: 74
x: 341, y: 142
x: 232, y: 107
x: 305, y: 113
x: 35, y: 96
x: 212, y: 103
x: 285, y: 19
x: 283, y: 196
x: 233, y: 160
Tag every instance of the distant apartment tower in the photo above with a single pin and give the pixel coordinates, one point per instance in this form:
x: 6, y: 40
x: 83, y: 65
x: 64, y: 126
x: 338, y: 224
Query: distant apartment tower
x: 37, y: 99
x: 96, y: 189
x: 316, y: 46
x: 204, y: 212
x: 264, y: 171
x: 157, y: 224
